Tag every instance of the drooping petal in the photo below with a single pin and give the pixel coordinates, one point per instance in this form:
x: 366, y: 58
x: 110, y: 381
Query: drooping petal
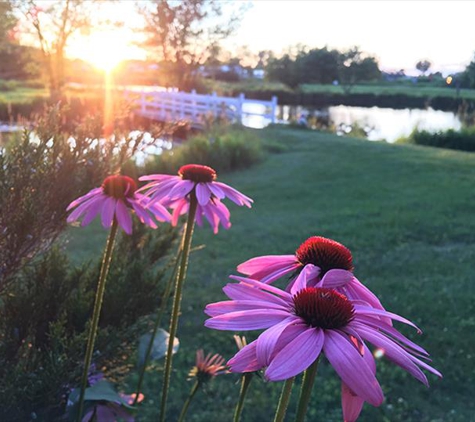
x: 211, y: 217
x: 160, y: 191
x: 260, y: 263
x: 297, y: 356
x: 244, y: 291
x: 142, y: 214
x: 336, y: 278
x: 157, y: 177
x: 86, y: 206
x: 234, y: 195
x: 203, y: 194
x: 268, y: 339
x: 262, y: 286
x: 247, y: 320
x: 123, y: 217
x: 352, y: 367
x: 216, y: 190
x: 303, y: 278
x: 245, y: 360
x: 393, y: 351
x: 365, y: 310
x: 94, y: 209
x: 275, y: 275
x: 83, y: 198
x: 181, y: 207
x: 220, y: 308
x: 351, y: 404
x: 181, y: 189
x: 108, y: 211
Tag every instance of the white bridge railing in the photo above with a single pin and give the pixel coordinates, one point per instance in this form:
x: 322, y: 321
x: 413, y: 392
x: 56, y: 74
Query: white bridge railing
x: 171, y: 106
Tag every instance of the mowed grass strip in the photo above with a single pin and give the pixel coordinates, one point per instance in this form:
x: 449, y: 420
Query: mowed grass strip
x: 406, y: 212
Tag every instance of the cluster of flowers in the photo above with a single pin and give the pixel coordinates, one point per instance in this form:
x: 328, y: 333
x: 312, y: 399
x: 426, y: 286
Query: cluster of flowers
x: 324, y: 309
x: 118, y: 196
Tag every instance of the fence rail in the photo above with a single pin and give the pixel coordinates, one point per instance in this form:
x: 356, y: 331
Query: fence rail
x: 170, y: 106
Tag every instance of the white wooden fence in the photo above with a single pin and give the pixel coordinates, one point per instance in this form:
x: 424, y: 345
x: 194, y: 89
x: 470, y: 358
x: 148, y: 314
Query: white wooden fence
x: 173, y: 105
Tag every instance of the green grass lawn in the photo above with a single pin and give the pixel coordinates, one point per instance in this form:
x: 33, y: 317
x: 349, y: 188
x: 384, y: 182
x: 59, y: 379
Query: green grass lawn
x: 407, y: 214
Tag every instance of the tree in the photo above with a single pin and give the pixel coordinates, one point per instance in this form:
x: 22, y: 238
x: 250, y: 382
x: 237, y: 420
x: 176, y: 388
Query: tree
x: 182, y: 35
x: 318, y: 66
x: 355, y: 66
x: 423, y: 66
x: 7, y: 23
x: 52, y: 23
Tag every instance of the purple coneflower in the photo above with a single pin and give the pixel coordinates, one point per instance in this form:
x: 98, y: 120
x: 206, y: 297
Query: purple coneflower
x: 207, y: 367
x: 114, y: 200
x: 303, y: 323
x: 199, y: 181
x: 327, y: 262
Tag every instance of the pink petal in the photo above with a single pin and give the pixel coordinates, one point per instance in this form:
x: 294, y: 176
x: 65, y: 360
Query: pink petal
x: 393, y: 351
x: 302, y: 281
x: 365, y: 310
x: 259, y: 263
x: 275, y: 275
x: 123, y: 217
x: 352, y: 367
x: 247, y: 320
x: 94, y: 209
x: 336, y: 278
x: 389, y: 329
x: 351, y: 404
x: 158, y: 192
x: 268, y: 339
x: 84, y: 207
x: 211, y: 217
x: 297, y: 356
x: 181, y: 189
x: 202, y: 193
x: 108, y: 211
x: 83, y: 198
x: 216, y: 191
x: 237, y: 197
x: 263, y: 286
x: 158, y: 177
x: 142, y: 214
x: 220, y: 308
x: 245, y: 360
x: 245, y: 292
x: 181, y: 208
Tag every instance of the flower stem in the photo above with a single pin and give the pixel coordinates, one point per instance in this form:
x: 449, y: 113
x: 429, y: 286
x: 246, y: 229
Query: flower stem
x: 158, y: 320
x: 101, y: 286
x: 188, y: 401
x: 284, y: 400
x: 187, y: 236
x: 246, y: 380
x: 306, y: 391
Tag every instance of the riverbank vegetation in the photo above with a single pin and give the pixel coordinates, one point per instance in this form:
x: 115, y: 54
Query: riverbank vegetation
x: 462, y: 140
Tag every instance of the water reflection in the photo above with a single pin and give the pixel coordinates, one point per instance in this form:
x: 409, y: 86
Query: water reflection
x: 377, y: 123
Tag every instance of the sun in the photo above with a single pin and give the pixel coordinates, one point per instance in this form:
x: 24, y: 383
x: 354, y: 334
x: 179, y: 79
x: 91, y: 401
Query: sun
x: 104, y: 48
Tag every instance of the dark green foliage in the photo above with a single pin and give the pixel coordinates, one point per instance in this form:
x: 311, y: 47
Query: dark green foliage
x: 323, y: 66
x: 463, y: 140
x: 43, y: 321
x: 222, y: 148
x: 41, y: 173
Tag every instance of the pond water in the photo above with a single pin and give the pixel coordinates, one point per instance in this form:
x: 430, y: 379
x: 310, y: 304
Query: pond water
x: 378, y: 123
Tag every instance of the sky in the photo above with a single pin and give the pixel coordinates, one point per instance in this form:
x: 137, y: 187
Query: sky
x: 397, y: 33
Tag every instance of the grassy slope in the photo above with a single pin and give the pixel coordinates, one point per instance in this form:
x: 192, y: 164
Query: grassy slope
x: 406, y: 213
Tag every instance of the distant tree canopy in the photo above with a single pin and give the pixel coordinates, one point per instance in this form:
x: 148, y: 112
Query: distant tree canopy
x: 184, y: 34
x: 423, y: 66
x: 52, y: 24
x: 323, y: 66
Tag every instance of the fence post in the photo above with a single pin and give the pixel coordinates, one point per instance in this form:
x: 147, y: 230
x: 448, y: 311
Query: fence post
x: 193, y: 105
x: 214, y: 104
x: 239, y: 108
x: 142, y: 102
x: 274, y: 108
